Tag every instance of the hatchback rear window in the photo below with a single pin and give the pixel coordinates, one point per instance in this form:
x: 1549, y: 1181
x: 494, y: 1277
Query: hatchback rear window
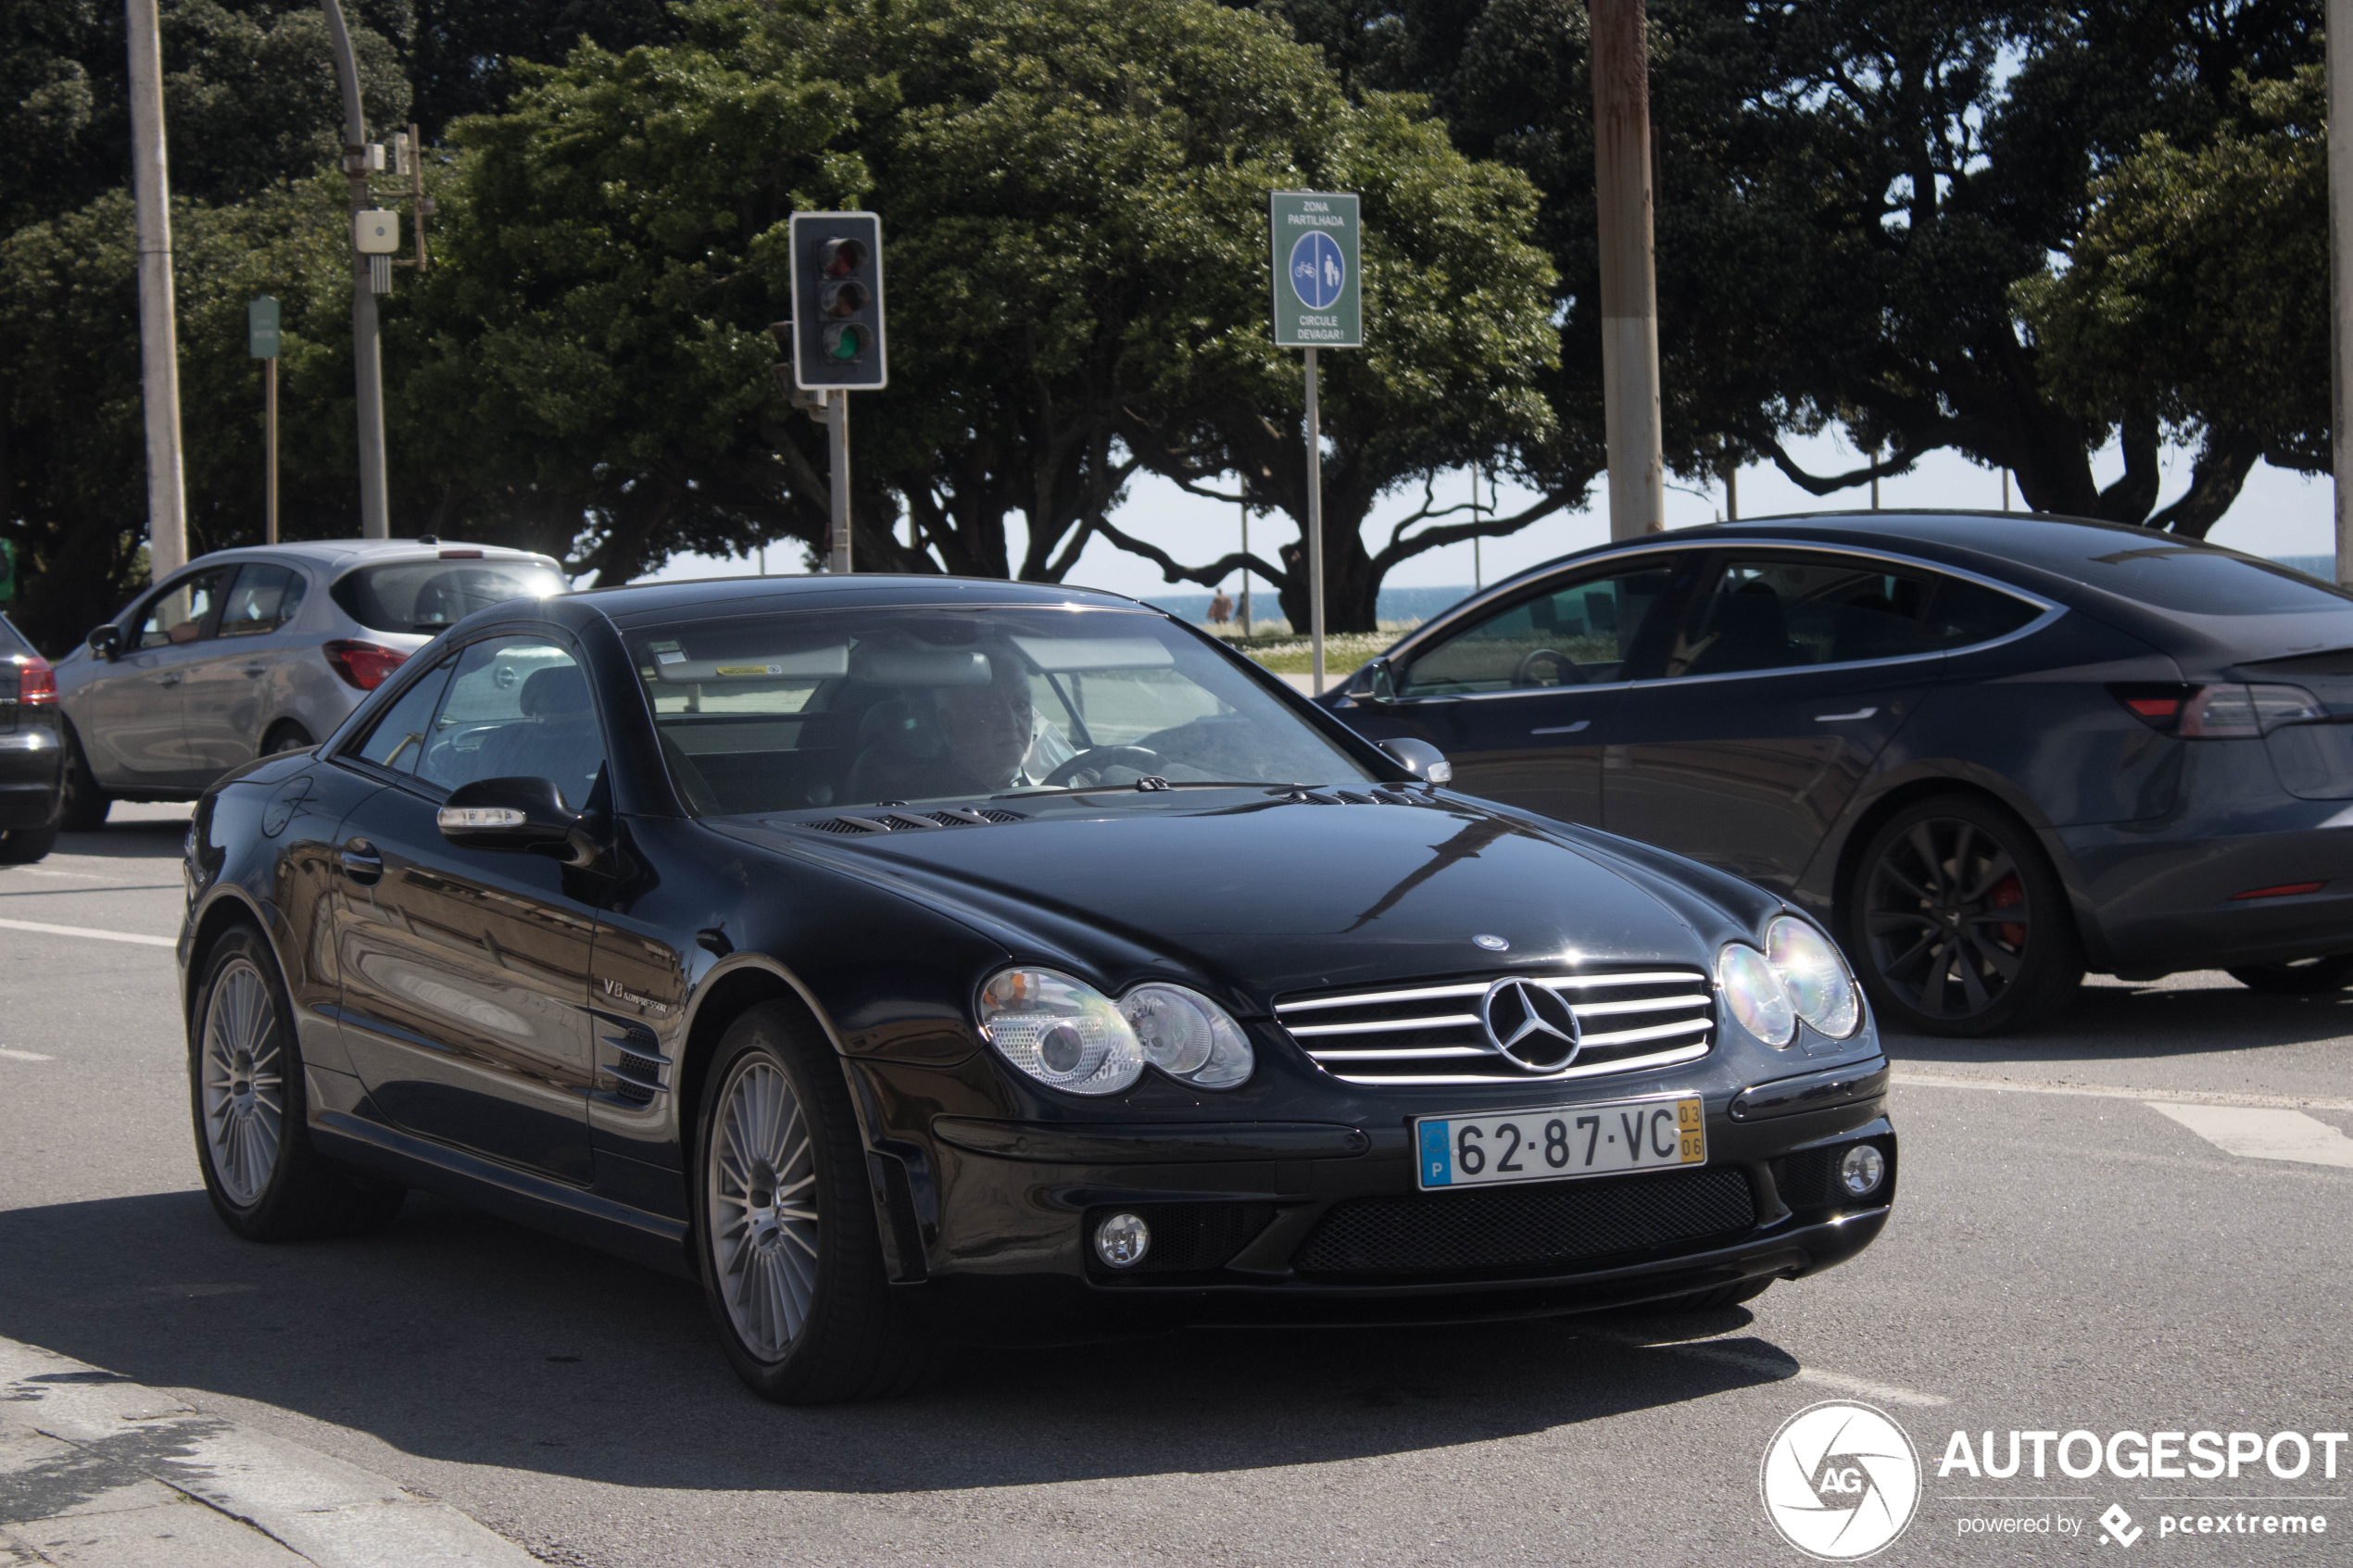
x: 11, y: 640
x: 2200, y: 580
x: 425, y: 595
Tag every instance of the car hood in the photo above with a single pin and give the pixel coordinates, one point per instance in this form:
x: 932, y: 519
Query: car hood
x: 1272, y: 896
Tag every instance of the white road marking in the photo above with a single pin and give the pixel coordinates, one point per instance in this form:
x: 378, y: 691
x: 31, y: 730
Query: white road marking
x: 2258, y: 1133
x: 48, y: 929
x: 24, y: 1056
x: 1863, y: 1388
x: 1911, y: 1077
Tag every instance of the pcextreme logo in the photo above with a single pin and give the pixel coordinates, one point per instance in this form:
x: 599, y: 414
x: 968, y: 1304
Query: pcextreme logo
x: 1839, y: 1481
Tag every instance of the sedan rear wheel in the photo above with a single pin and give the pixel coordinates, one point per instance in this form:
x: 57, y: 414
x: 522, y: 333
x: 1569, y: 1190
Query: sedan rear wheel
x: 84, y: 805
x: 791, y: 1255
x: 245, y: 1092
x: 1958, y: 922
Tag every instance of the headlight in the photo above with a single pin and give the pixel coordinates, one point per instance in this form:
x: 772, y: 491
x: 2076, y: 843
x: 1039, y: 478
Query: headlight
x: 1815, y: 975
x: 1755, y: 994
x: 1067, y: 1034
x: 1188, y: 1037
x: 1061, y: 1031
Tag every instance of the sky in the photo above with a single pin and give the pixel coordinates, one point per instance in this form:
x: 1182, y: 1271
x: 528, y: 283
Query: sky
x: 2277, y: 514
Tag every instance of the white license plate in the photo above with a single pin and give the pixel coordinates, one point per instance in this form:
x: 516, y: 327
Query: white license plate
x: 1560, y: 1143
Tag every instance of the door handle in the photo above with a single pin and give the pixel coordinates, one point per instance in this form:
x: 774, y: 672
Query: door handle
x: 361, y: 863
x: 170, y: 679
x: 1844, y: 717
x: 1561, y: 729
x: 256, y: 669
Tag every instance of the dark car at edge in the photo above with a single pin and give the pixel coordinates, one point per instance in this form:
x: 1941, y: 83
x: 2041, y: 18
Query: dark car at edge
x: 1988, y: 751
x: 925, y: 961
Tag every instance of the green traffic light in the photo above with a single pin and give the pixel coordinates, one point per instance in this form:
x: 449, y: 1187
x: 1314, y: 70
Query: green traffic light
x: 845, y: 343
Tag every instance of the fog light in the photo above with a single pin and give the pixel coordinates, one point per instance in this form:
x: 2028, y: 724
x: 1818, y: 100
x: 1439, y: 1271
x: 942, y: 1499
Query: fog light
x: 1860, y: 1172
x: 1123, y: 1239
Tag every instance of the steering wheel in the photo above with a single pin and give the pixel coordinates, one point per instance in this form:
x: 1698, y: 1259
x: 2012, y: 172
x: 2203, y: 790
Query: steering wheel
x: 1564, y: 669
x: 1096, y: 759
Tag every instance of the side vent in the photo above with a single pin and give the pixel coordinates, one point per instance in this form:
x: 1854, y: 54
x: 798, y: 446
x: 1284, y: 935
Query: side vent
x: 906, y: 821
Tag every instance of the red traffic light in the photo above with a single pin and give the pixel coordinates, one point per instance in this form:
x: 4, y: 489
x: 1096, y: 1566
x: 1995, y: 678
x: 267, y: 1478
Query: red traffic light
x: 843, y: 256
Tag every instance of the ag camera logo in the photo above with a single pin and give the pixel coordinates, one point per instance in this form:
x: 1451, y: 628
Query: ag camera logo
x: 1839, y: 1481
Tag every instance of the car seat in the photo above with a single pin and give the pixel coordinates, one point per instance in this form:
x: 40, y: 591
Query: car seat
x: 556, y: 738
x: 1749, y: 631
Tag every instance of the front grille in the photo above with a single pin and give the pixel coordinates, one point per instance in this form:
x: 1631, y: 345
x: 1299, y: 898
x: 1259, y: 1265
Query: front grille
x: 1187, y: 1238
x: 1627, y: 1021
x: 1531, y: 1230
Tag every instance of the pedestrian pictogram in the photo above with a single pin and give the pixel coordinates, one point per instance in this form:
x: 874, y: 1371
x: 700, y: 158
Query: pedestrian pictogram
x: 1318, y: 275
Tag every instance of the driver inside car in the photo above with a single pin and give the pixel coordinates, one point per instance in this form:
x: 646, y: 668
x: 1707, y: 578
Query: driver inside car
x: 938, y: 741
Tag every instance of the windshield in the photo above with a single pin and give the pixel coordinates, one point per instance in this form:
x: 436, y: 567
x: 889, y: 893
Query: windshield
x: 425, y: 595
x: 801, y: 711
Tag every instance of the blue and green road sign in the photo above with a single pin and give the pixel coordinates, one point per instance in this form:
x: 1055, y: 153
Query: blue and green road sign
x: 1318, y: 294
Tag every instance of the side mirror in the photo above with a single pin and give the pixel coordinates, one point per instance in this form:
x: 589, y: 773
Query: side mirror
x: 1374, y: 682
x: 526, y: 814
x: 1420, y: 758
x: 106, y: 639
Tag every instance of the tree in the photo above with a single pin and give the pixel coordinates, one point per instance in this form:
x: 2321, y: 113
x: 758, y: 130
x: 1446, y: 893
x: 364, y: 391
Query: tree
x: 1073, y: 193
x: 2198, y: 294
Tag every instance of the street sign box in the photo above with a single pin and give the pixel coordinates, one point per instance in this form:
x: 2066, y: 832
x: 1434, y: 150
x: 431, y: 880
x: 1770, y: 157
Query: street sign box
x: 1317, y: 268
x: 261, y: 328
x: 837, y: 301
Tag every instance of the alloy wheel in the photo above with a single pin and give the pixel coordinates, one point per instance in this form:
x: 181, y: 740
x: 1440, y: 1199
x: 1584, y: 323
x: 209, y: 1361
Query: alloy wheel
x: 1947, y: 918
x: 244, y: 1080
x: 763, y: 1220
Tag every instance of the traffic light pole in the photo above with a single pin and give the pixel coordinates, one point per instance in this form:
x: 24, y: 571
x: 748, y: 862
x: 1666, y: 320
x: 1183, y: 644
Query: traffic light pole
x: 1314, y: 526
x: 838, y: 440
x: 367, y: 357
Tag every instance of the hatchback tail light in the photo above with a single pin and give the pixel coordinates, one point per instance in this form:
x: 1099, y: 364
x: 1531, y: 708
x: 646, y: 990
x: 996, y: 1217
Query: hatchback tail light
x: 36, y: 683
x: 363, y: 665
x: 2218, y: 712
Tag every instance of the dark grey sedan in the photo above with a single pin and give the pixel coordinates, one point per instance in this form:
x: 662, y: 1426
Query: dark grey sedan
x: 1990, y: 751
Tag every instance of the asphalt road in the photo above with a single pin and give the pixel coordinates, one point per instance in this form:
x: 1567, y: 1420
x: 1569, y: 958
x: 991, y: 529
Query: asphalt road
x: 2060, y: 1261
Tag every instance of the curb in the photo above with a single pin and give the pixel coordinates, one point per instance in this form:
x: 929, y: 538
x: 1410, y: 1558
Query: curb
x: 123, y: 1441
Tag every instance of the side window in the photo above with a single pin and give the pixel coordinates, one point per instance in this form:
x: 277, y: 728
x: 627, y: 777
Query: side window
x: 262, y: 599
x: 517, y: 708
x: 397, y: 740
x: 1793, y: 613
x: 176, y: 615
x: 1964, y: 613
x: 1573, y: 636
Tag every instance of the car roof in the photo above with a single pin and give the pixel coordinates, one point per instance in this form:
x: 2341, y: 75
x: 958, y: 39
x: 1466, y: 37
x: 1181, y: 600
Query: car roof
x: 642, y: 603
x: 332, y: 553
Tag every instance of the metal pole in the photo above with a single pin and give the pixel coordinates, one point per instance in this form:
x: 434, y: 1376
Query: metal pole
x: 1245, y: 569
x: 1874, y: 477
x: 1731, y: 491
x: 2006, y: 501
x: 1629, y: 287
x: 838, y: 430
x: 2340, y: 65
x: 1314, y: 526
x: 158, y: 343
x: 375, y: 501
x: 1479, y: 575
x: 270, y: 440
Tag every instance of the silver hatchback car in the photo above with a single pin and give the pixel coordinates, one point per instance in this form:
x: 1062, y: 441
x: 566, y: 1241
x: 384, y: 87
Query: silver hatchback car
x: 250, y: 652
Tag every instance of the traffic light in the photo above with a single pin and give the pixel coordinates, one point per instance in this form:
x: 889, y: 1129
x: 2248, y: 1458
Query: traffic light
x: 838, y: 300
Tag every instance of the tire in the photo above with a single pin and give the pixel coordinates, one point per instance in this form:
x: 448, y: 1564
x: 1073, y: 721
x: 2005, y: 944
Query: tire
x: 1956, y: 922
x: 2304, y: 977
x: 22, y: 846
x: 288, y: 736
x: 1709, y: 1301
x: 798, y: 1291
x: 245, y: 1097
x: 84, y: 806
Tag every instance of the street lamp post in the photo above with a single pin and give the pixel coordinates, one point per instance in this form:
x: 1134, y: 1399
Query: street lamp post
x: 359, y: 160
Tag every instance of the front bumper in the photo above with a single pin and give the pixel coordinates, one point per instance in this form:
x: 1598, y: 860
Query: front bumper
x: 995, y: 1217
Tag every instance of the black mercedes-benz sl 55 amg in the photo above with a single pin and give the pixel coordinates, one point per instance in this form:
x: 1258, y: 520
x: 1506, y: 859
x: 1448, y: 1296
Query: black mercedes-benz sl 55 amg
x: 918, y: 961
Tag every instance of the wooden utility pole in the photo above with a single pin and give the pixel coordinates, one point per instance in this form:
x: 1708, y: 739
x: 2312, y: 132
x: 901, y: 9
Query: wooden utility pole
x: 360, y: 159
x: 158, y: 338
x: 1629, y: 288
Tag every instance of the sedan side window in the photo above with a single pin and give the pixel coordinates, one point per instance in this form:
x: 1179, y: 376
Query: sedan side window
x: 176, y: 615
x: 1791, y: 613
x: 262, y: 599
x: 1576, y: 635
x: 517, y: 708
x: 397, y: 739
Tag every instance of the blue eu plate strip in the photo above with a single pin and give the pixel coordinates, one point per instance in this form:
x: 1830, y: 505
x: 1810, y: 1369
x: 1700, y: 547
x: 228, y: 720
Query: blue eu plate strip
x: 1438, y: 1161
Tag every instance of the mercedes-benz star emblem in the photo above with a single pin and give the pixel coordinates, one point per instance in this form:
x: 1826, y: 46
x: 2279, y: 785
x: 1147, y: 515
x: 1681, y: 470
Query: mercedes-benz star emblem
x: 1529, y: 1026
